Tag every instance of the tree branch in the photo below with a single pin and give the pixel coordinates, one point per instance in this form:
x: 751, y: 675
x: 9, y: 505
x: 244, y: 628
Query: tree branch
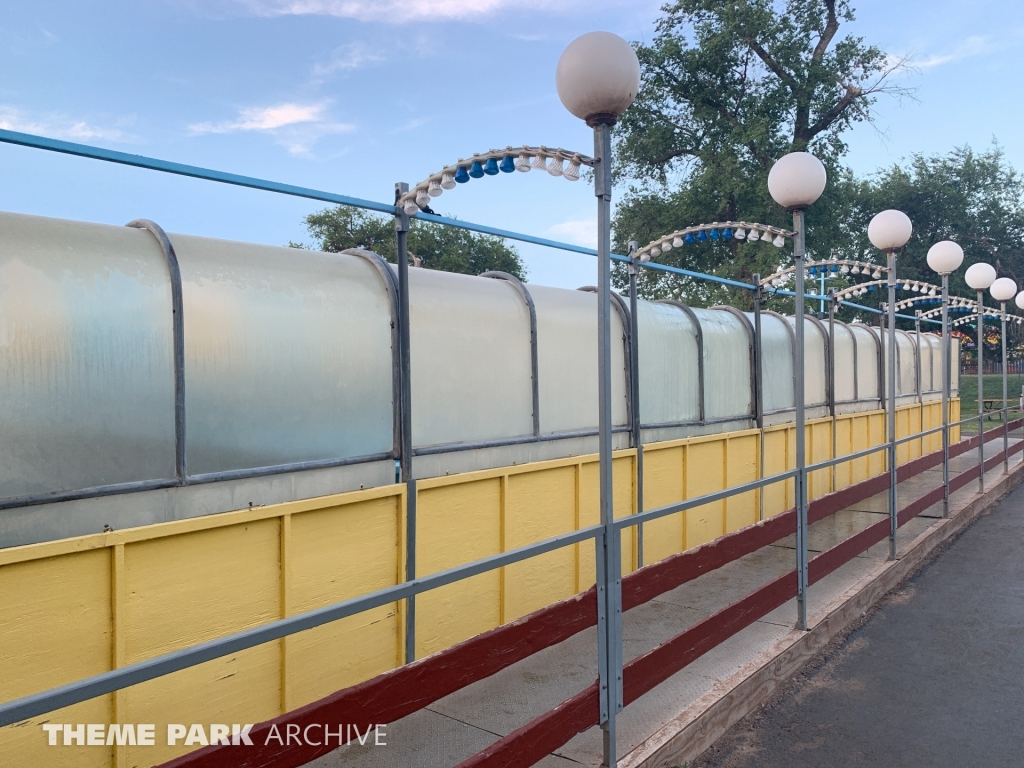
x: 772, y: 64
x: 831, y: 27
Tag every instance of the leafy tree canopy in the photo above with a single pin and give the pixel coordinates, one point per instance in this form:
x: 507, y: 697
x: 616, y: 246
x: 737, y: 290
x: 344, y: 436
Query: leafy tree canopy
x: 434, y: 246
x: 726, y: 89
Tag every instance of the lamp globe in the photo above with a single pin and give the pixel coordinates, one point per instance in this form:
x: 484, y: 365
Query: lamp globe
x: 980, y: 276
x: 597, y: 77
x: 797, y: 180
x: 1003, y: 289
x: 945, y: 257
x: 890, y: 230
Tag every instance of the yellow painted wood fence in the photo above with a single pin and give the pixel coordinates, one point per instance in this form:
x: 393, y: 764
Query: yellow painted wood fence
x: 77, y: 607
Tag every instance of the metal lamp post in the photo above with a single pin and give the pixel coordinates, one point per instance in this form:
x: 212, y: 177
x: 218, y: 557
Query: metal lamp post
x: 1003, y: 290
x: 945, y: 257
x: 795, y: 182
x: 889, y: 231
x: 979, y: 277
x: 597, y: 77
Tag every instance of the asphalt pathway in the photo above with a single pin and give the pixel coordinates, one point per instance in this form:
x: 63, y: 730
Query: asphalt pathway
x: 933, y: 678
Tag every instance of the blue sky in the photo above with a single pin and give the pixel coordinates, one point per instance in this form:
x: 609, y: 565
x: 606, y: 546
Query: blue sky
x: 353, y: 95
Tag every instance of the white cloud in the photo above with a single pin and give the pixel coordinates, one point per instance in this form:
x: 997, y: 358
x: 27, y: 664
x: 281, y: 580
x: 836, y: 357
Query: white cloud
x: 297, y: 127
x: 975, y: 45
x: 265, y: 118
x: 57, y: 126
x: 579, y: 231
x: 388, y: 10
x: 347, y: 57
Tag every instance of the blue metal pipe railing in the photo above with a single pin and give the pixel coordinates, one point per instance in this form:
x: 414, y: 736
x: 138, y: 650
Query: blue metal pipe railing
x: 251, y: 182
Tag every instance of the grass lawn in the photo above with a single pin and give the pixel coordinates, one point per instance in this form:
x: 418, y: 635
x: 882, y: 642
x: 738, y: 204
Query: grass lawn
x: 993, y: 389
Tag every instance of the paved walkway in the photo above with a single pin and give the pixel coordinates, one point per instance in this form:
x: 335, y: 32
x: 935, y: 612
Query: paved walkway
x: 456, y: 727
x: 933, y: 678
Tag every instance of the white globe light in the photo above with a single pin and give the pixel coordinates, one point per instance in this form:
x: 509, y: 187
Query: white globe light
x: 1019, y: 301
x: 597, y: 77
x: 797, y: 180
x: 980, y: 276
x: 1003, y: 289
x: 945, y: 257
x: 890, y: 230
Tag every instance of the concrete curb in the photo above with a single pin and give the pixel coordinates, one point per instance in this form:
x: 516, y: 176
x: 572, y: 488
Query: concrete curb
x: 696, y: 728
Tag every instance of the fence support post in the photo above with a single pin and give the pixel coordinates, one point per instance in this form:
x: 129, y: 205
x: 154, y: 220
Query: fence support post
x: 800, y: 481
x: 402, y: 235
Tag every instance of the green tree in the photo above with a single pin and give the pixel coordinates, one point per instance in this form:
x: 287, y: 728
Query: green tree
x: 726, y: 89
x: 973, y: 198
x: 434, y: 246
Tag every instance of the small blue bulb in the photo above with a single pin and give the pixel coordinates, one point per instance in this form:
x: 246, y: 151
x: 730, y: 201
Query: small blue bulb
x: 714, y: 234
x: 476, y: 170
x: 813, y: 270
x: 460, y: 174
x: 491, y: 167
x: 872, y: 287
x: 507, y: 164
x: 702, y: 236
x: 727, y: 233
x: 689, y: 239
x: 834, y: 268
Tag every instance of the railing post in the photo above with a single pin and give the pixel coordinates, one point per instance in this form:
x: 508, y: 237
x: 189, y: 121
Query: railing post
x: 891, y: 376
x: 1006, y: 431
x: 758, y: 390
x: 981, y: 391
x: 609, y: 579
x: 634, y: 393
x: 800, y: 481
x: 946, y: 385
x: 402, y: 235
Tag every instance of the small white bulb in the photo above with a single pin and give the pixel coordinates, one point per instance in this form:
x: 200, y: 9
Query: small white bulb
x: 411, y: 209
x: 666, y: 247
x: 572, y: 173
x: 779, y: 241
x: 655, y: 252
x: 434, y: 190
x: 740, y: 234
x: 540, y: 163
x: 855, y: 270
x: 677, y: 242
x: 766, y: 237
x: 555, y: 166
x: 448, y: 181
x: 422, y: 198
x: 645, y: 257
x: 523, y: 163
x: 845, y: 269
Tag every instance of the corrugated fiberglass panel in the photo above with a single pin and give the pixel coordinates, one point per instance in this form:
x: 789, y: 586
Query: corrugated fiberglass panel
x: 776, y: 363
x: 669, y: 376
x: 567, y: 348
x: 86, y: 356
x: 287, y: 355
x: 470, y: 359
x: 867, y: 361
x: 815, y: 363
x: 727, y: 389
x: 845, y: 372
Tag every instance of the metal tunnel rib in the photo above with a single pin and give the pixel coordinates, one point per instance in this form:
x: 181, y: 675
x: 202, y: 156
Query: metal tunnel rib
x: 391, y: 285
x: 177, y: 307
x: 753, y: 356
x: 627, y: 340
x: 534, y: 358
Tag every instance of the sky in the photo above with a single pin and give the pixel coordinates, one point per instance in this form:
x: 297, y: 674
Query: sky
x: 351, y: 96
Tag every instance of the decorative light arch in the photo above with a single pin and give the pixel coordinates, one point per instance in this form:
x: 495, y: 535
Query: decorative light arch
x: 844, y: 267
x: 492, y: 163
x: 717, y: 230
